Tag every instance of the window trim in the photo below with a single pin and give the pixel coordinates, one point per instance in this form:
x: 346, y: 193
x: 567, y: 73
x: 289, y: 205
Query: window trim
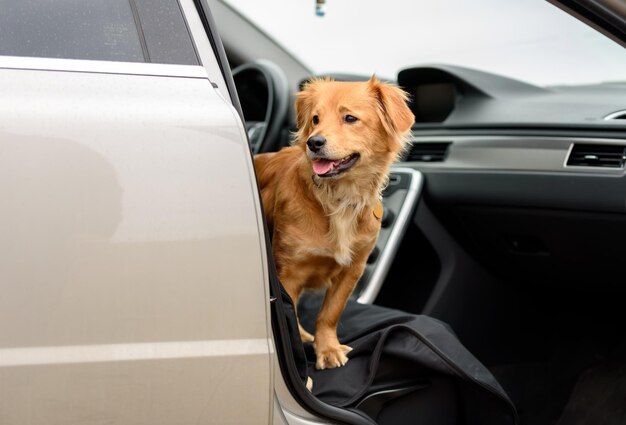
x: 103, y: 67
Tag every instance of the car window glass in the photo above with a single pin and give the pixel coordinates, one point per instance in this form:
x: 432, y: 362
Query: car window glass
x: 71, y: 29
x: 165, y: 32
x: 107, y: 30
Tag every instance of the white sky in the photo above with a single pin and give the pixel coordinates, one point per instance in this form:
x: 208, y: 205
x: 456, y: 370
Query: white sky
x: 527, y: 39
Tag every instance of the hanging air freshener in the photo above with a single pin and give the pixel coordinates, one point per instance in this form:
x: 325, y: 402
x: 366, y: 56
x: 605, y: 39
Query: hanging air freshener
x: 320, y: 6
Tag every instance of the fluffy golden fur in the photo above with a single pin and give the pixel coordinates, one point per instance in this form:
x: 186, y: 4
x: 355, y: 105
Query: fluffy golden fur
x: 319, y: 196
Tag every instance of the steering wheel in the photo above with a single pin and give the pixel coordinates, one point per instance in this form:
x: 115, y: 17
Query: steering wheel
x: 263, y: 92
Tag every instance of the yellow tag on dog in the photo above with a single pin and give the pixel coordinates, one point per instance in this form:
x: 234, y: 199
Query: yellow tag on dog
x: 378, y: 210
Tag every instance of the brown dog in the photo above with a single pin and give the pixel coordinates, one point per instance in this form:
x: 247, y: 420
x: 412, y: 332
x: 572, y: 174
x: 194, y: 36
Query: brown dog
x: 322, y: 196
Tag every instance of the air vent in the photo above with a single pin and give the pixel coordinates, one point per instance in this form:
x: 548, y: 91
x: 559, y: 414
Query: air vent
x: 609, y: 156
x: 428, y: 152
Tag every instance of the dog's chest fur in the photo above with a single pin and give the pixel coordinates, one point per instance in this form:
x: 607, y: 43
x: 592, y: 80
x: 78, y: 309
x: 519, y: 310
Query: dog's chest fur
x: 345, y: 232
x: 341, y: 242
x: 348, y: 229
x: 342, y: 233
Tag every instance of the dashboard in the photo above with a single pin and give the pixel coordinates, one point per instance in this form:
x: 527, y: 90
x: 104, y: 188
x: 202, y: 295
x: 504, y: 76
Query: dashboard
x: 531, y: 181
x: 456, y: 96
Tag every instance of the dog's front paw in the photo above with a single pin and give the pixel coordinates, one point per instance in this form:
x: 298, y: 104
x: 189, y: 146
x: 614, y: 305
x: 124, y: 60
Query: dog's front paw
x: 331, y: 356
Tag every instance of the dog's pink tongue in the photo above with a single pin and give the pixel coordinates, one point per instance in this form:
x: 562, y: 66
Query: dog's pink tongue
x: 322, y: 166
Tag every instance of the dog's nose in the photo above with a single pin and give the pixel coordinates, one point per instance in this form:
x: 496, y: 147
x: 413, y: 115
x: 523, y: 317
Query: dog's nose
x: 315, y: 143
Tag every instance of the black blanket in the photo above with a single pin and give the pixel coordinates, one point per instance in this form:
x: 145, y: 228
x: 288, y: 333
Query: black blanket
x: 393, y: 349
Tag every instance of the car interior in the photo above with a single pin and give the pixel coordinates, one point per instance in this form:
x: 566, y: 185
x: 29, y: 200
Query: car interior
x: 505, y: 219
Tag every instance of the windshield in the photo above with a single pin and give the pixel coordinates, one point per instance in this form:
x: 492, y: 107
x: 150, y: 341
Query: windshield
x: 530, y: 40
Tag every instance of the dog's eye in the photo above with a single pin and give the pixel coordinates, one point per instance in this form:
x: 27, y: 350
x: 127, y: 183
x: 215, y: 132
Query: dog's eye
x: 350, y: 119
x: 316, y: 120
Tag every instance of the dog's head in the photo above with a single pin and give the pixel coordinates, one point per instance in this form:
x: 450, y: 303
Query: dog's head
x: 352, y: 128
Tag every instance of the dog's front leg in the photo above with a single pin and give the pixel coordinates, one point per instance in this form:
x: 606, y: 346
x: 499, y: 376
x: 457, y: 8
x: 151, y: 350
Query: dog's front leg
x: 329, y: 352
x: 294, y: 289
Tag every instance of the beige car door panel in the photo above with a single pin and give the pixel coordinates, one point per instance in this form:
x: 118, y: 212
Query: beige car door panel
x: 132, y: 271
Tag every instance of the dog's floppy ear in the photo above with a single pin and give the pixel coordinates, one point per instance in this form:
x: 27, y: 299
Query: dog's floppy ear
x: 303, y: 108
x: 304, y: 104
x: 397, y: 117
